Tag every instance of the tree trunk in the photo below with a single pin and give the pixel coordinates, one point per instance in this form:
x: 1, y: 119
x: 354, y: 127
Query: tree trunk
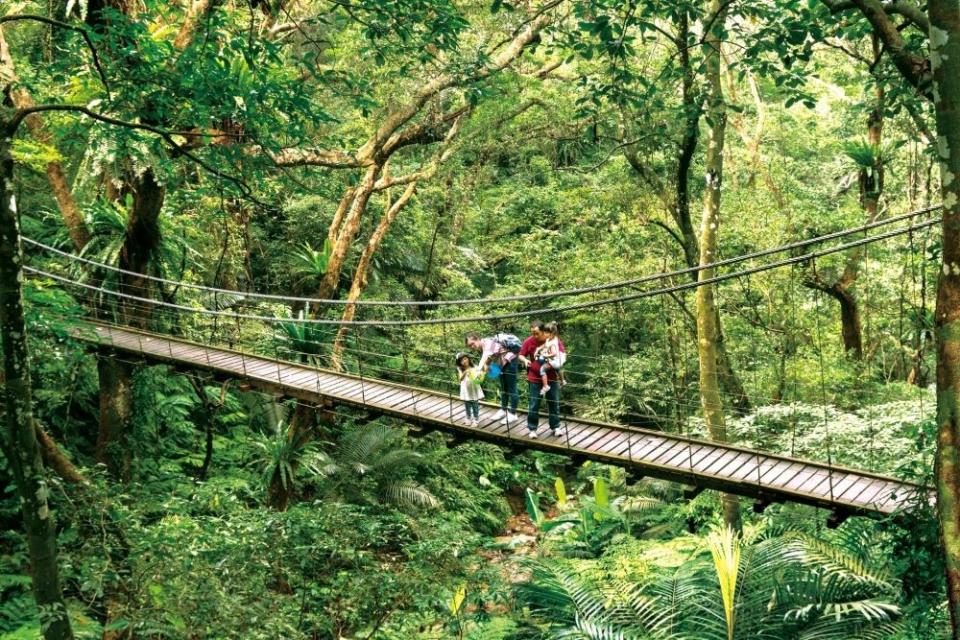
x: 116, y: 376
x: 116, y: 407
x: 21, y: 446
x: 693, y: 110
x: 707, y: 316
x: 348, y: 232
x: 363, y: 271
x: 140, y: 244
x: 870, y: 180
x: 945, y: 62
x: 342, y: 209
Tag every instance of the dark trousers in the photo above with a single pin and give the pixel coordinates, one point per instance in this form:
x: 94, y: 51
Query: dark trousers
x: 553, y: 405
x: 509, y: 396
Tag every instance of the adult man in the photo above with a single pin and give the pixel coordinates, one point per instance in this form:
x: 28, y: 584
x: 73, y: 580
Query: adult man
x: 537, y: 338
x: 500, y: 349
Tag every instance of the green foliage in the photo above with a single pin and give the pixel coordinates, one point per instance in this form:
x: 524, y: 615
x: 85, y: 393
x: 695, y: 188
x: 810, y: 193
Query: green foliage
x: 283, y: 459
x: 565, y: 175
x: 783, y: 586
x: 368, y: 464
x: 533, y: 507
x: 311, y: 264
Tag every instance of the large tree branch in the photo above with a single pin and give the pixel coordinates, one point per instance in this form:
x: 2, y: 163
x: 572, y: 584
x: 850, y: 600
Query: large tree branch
x: 22, y: 114
x: 904, y: 8
x: 911, y: 12
x: 401, y: 115
x: 912, y: 67
x: 332, y: 159
x: 458, y: 115
x: 386, y: 135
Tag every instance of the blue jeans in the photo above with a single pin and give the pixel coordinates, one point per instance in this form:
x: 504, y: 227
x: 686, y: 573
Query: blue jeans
x: 472, y: 409
x: 509, y: 396
x: 553, y: 405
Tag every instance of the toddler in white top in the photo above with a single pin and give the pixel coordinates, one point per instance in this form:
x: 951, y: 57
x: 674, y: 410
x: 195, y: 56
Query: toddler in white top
x: 470, y: 390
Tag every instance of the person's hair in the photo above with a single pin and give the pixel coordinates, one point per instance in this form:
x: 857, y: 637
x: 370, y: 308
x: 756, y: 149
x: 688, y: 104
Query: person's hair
x: 537, y: 324
x: 460, y: 359
x: 552, y: 328
x: 469, y: 338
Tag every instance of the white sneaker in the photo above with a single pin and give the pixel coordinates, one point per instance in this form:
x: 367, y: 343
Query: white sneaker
x: 512, y: 417
x: 532, y: 435
x: 474, y: 423
x: 499, y: 414
x: 559, y: 432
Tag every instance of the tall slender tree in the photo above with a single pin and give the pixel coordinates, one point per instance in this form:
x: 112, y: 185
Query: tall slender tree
x: 945, y: 65
x: 20, y: 444
x: 715, y: 112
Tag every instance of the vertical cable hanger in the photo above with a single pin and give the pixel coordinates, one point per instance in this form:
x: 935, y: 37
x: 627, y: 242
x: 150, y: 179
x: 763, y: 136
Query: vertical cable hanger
x: 823, y: 393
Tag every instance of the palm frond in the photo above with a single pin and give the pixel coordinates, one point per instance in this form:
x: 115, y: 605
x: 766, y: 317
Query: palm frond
x: 408, y: 493
x: 853, y: 567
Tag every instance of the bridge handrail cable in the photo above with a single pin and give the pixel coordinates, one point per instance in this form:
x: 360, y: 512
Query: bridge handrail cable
x: 514, y: 298
x: 502, y: 316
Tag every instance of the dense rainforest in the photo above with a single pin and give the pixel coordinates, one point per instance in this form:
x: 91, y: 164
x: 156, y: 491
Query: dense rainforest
x: 742, y: 216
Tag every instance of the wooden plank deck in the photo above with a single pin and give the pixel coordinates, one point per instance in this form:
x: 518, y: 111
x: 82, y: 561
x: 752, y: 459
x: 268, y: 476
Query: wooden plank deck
x: 738, y: 470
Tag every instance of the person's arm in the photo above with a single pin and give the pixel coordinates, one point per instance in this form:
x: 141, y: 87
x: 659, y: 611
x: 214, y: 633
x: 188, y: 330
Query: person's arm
x: 487, y: 351
x: 525, y: 353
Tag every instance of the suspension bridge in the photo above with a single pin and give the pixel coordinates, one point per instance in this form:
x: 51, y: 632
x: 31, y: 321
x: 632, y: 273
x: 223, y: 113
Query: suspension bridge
x: 223, y: 343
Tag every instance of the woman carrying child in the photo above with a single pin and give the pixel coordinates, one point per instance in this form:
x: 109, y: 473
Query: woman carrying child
x: 470, y: 390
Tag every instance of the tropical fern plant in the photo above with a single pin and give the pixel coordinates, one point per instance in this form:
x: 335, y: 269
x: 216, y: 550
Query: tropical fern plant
x: 578, y: 608
x: 368, y: 464
x: 303, y: 341
x: 283, y: 460
x: 311, y: 264
x: 784, y: 587
x: 107, y: 222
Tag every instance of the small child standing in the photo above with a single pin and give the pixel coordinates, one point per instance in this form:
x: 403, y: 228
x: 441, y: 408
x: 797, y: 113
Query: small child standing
x: 550, y: 357
x: 470, y: 390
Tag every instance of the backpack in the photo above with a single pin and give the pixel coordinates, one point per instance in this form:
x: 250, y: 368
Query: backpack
x: 509, y: 342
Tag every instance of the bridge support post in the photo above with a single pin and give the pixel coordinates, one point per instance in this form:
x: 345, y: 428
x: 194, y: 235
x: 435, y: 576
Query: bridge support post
x: 689, y: 493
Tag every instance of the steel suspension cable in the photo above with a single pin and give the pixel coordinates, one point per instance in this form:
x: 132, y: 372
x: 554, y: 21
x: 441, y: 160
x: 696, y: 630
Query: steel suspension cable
x: 504, y: 316
x: 515, y: 298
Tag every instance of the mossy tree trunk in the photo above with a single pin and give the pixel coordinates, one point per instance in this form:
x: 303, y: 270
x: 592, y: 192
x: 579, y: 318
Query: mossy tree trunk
x: 707, y: 316
x: 870, y: 179
x: 19, y: 440
x: 945, y: 63
x: 679, y: 206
